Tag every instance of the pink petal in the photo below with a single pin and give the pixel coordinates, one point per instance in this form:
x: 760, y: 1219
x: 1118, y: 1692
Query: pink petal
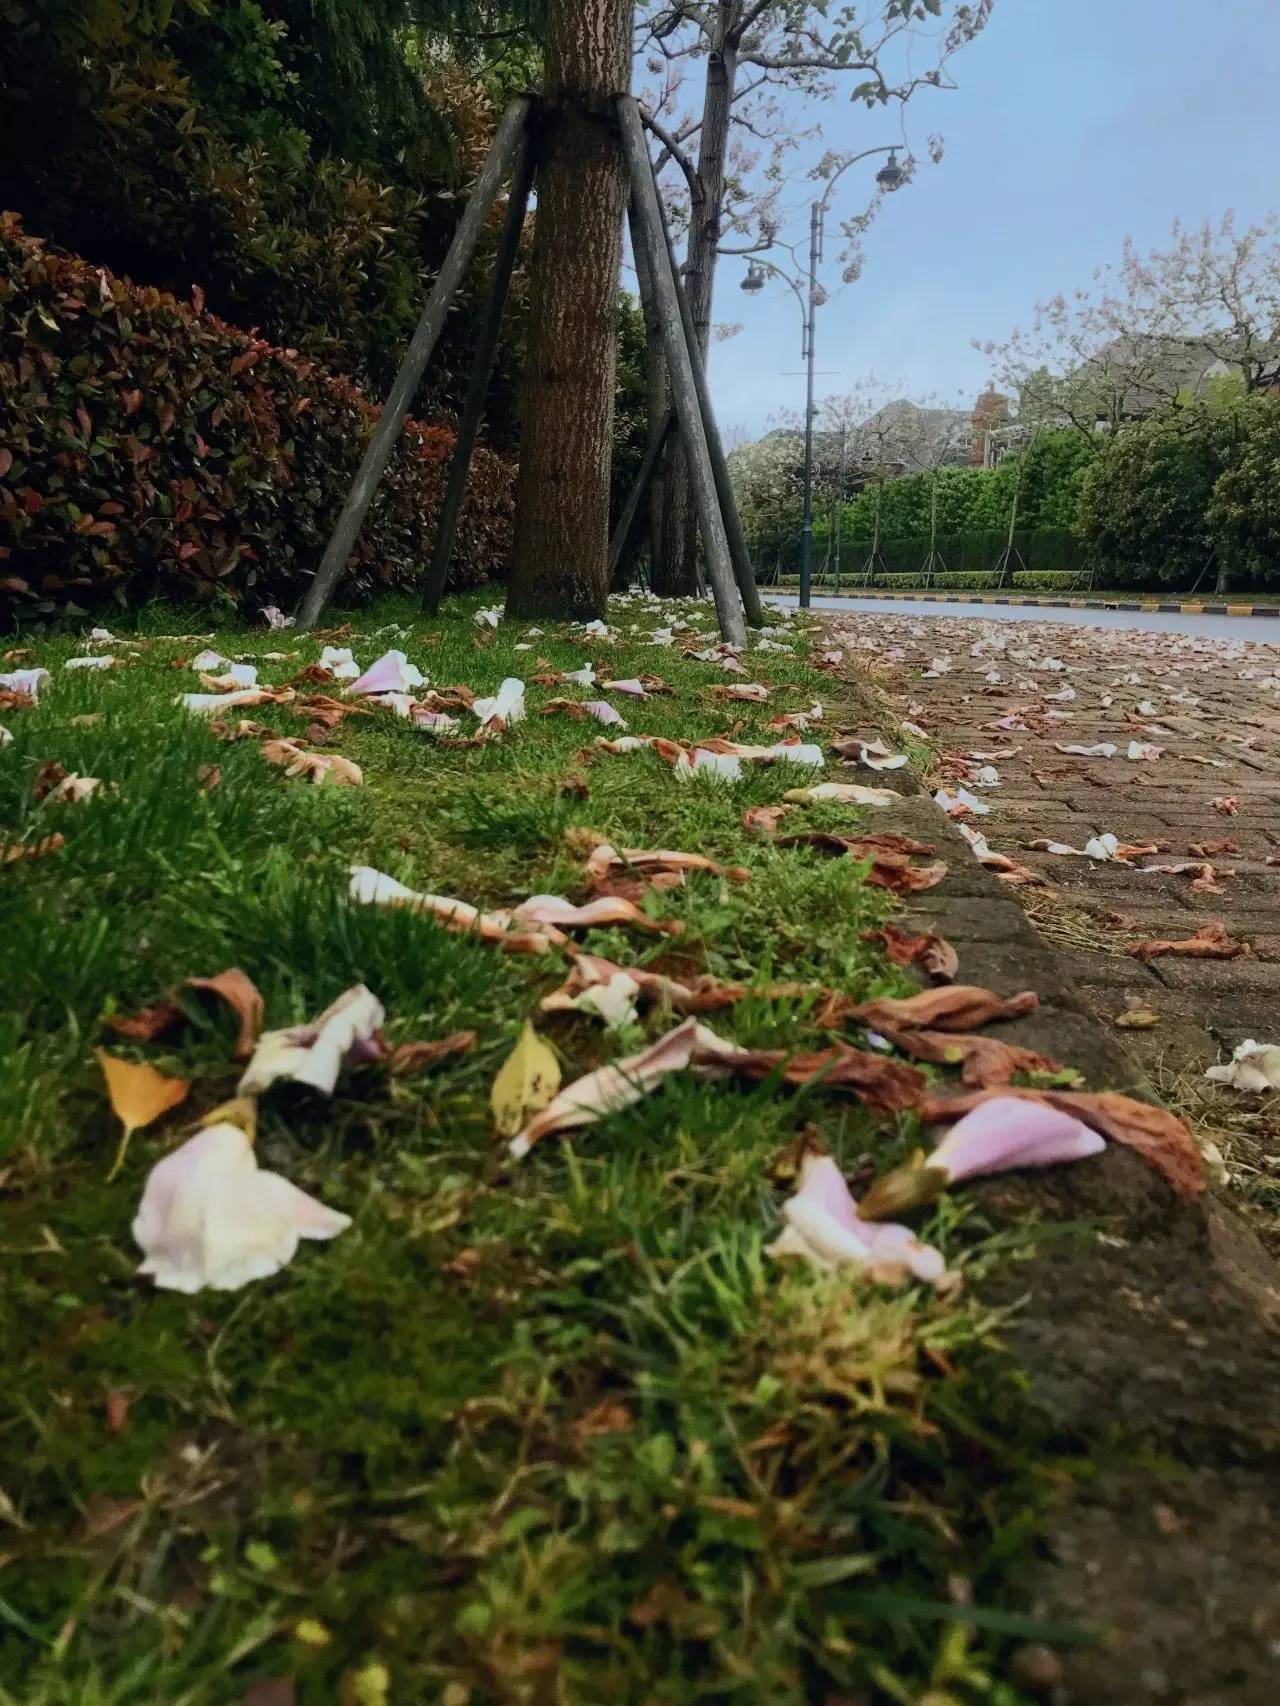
x: 1009, y: 1132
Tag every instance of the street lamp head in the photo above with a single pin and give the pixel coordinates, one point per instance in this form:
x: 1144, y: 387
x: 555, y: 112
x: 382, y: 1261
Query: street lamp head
x: 891, y: 176
x: 755, y: 279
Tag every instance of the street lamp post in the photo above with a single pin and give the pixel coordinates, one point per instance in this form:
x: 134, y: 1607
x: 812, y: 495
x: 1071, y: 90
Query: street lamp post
x: 890, y: 177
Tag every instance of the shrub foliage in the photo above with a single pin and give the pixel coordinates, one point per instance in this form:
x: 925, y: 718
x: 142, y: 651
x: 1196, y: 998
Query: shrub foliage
x: 147, y: 447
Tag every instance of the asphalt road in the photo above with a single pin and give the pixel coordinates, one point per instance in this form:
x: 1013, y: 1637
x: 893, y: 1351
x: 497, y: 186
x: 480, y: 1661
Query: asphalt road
x: 1266, y: 629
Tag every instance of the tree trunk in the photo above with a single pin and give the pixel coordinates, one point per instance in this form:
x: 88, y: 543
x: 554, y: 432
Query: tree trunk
x: 677, y: 572
x: 562, y: 491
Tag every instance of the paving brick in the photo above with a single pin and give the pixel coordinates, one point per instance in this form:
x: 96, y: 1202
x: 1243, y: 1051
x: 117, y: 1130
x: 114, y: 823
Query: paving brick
x: 1216, y: 977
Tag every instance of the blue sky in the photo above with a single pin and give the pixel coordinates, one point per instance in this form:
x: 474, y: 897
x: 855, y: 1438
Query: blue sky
x: 1076, y: 123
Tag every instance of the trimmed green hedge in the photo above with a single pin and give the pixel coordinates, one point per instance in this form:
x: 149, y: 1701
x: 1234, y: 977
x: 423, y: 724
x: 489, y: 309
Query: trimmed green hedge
x: 966, y: 555
x: 148, y: 448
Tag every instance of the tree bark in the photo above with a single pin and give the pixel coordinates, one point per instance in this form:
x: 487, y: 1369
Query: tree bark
x: 677, y: 572
x: 562, y: 491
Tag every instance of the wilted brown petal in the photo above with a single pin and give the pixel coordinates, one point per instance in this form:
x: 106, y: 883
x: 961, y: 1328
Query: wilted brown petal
x: 880, y: 1083
x: 984, y: 1061
x: 763, y: 820
x: 408, y: 1058
x: 933, y: 954
x: 1210, y: 942
x: 962, y: 1007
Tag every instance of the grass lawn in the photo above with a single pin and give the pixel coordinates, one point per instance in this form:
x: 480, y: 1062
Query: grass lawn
x: 549, y: 1432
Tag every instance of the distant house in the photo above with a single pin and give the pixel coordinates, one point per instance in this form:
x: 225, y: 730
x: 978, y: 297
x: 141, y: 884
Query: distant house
x: 1133, y: 376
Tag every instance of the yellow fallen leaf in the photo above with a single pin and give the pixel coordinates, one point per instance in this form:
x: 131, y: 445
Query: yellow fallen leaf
x: 1137, y: 1019
x: 138, y: 1094
x: 527, y: 1081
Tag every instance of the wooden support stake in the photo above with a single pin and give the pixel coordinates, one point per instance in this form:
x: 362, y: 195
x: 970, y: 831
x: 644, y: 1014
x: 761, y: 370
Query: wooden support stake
x: 639, y: 491
x: 421, y: 346
x: 661, y: 415
x: 743, y: 572
x: 684, y: 389
x: 481, y: 371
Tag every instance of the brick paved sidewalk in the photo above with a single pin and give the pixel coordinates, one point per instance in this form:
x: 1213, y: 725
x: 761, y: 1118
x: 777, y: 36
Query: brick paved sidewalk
x: 1211, y: 706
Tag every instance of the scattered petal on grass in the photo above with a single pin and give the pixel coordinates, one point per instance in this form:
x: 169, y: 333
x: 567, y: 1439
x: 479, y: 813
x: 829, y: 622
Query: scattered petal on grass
x: 435, y: 722
x: 1210, y: 942
x: 314, y: 1053
x: 763, y: 820
x: 375, y: 888
x: 312, y: 766
x: 844, y: 794
x: 206, y: 660
x: 635, y: 688
x: 553, y: 909
x: 1159, y: 1137
x: 1254, y: 1066
x: 102, y: 660
x: 210, y: 1217
x: 232, y: 986
x: 933, y: 954
x: 886, y: 1086
x: 984, y: 1061
x: 407, y: 1058
x: 525, y: 1084
x: 824, y: 1228
x: 723, y: 766
x: 392, y: 673
x: 751, y: 693
x: 242, y: 730
x: 11, y: 852
x: 612, y: 1087
x: 6, y: 738
x: 603, y: 712
x: 505, y: 707
x: 960, y: 1007
x: 276, y: 619
x: 138, y: 1095
x: 340, y: 663
x: 25, y: 682
x: 889, y: 868
x: 605, y: 858
x: 212, y: 704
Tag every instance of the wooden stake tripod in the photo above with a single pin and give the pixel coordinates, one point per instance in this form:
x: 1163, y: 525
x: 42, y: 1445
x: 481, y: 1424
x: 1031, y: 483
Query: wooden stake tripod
x: 514, y: 154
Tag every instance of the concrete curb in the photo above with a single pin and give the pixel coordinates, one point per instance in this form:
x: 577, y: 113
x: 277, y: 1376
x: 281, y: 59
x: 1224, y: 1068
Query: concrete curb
x: 1170, y: 607
x: 1147, y: 1333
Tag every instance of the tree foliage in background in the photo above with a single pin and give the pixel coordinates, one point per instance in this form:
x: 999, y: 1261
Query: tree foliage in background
x: 1166, y: 501
x: 1244, y: 513
x: 299, y: 159
x: 1144, y: 331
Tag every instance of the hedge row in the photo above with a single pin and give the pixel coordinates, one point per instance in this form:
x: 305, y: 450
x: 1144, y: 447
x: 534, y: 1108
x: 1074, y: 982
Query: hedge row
x: 147, y: 447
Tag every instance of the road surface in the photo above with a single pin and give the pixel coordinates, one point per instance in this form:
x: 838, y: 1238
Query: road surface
x: 1266, y: 629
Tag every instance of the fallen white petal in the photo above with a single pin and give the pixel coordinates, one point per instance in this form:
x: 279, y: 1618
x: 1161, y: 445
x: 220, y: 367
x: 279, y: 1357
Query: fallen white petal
x: 313, y: 1053
x: 1254, y: 1066
x: 210, y: 704
x: 845, y: 794
x: 506, y: 705
x: 104, y: 661
x: 340, y: 663
x: 210, y: 1216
